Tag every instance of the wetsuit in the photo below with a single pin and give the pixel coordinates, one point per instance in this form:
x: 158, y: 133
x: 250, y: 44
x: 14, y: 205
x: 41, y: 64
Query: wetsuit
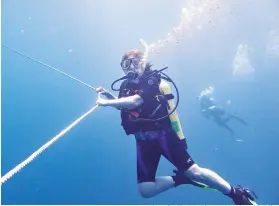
x: 153, y: 139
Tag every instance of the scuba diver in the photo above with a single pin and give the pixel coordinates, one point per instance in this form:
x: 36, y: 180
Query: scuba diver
x: 210, y: 109
x: 148, y: 113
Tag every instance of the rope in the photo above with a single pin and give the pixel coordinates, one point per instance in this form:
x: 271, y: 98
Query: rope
x: 44, y: 147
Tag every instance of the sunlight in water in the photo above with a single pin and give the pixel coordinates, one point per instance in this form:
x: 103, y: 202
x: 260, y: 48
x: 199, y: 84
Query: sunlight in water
x: 241, y: 63
x: 195, y: 15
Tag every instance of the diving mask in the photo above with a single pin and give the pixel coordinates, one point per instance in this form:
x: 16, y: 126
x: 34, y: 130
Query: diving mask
x: 132, y: 67
x: 126, y: 64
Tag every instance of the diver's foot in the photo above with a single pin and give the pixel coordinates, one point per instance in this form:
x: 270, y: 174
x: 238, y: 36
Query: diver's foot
x: 180, y: 178
x: 242, y: 196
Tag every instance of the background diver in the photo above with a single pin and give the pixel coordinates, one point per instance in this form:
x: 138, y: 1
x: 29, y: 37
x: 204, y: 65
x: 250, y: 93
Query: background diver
x: 210, y: 109
x: 141, y: 98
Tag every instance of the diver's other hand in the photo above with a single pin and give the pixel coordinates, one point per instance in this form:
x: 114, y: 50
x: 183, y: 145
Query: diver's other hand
x: 101, y: 90
x: 102, y: 102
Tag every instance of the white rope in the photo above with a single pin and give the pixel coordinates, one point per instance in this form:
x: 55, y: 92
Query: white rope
x: 51, y: 67
x: 44, y: 147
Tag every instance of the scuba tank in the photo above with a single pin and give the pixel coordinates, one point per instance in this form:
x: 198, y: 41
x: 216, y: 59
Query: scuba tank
x: 174, y: 119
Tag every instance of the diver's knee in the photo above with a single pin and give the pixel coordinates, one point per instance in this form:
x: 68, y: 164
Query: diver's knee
x: 145, y: 194
x: 144, y: 190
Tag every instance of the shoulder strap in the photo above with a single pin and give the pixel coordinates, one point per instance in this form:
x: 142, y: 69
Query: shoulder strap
x: 122, y: 87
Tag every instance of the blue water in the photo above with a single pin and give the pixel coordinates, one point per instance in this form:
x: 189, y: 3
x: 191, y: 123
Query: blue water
x: 95, y: 163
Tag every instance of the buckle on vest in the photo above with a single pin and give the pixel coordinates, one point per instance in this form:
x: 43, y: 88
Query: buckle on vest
x: 164, y: 97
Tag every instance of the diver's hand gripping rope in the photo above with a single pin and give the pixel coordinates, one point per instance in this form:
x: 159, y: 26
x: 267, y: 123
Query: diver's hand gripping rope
x: 51, y: 67
x: 44, y: 147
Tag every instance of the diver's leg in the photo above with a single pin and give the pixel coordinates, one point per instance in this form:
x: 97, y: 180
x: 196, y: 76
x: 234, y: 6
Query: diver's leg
x: 228, y: 128
x: 209, y: 178
x: 226, y: 119
x: 223, y: 117
x: 232, y: 116
x: 239, y: 119
x: 222, y: 123
x: 148, y: 157
x: 175, y: 150
x: 239, y: 195
x: 152, y: 188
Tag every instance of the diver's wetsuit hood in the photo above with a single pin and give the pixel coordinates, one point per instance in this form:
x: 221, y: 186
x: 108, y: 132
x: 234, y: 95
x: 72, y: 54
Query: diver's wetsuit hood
x: 148, y: 73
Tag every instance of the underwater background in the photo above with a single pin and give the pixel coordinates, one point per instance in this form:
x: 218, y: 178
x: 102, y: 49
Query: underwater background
x: 95, y: 162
